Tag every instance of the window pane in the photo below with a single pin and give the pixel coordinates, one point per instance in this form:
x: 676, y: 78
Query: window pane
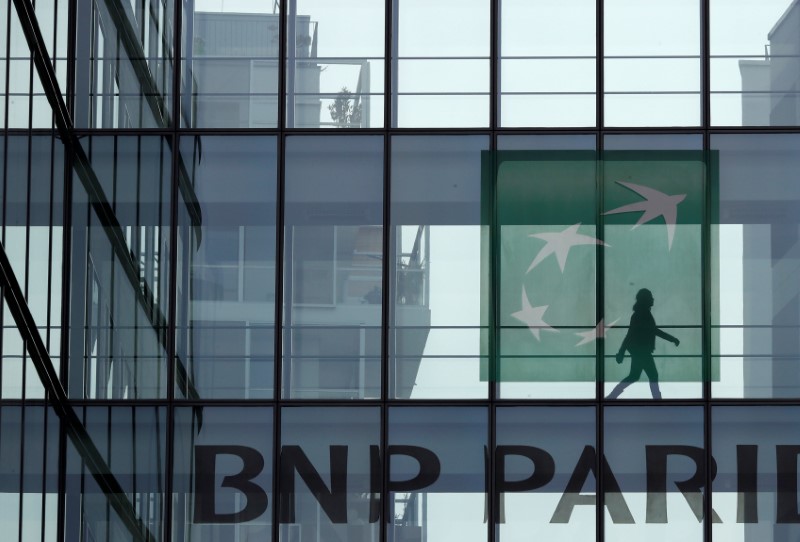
x: 652, y: 62
x: 546, y: 212
x: 546, y: 457
x: 333, y: 261
x: 548, y: 67
x: 29, y: 473
x: 755, y: 489
x: 440, y: 244
x: 230, y: 64
x: 754, y: 308
x: 654, y: 482
x: 24, y: 95
x: 335, y: 64
x: 32, y: 201
x: 222, y: 474
x: 329, y: 461
x: 226, y: 292
x: 123, y: 77
x: 654, y: 201
x: 120, y: 273
x: 434, y: 38
x: 452, y: 505
x: 132, y: 444
x: 754, y: 62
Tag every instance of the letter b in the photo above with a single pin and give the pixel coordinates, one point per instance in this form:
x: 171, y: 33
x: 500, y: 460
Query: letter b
x: 205, y: 459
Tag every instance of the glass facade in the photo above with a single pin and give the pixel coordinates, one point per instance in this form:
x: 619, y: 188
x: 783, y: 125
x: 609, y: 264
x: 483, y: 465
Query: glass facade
x: 399, y: 270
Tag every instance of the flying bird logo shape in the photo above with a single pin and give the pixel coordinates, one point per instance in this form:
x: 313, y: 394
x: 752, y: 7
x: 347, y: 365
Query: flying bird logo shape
x: 656, y: 204
x: 559, y: 244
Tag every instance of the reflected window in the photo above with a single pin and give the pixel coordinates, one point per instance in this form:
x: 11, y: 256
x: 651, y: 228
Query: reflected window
x: 755, y: 61
x: 335, y: 64
x: 755, y: 259
x: 440, y: 241
x: 230, y: 64
x: 226, y: 293
x: 333, y: 262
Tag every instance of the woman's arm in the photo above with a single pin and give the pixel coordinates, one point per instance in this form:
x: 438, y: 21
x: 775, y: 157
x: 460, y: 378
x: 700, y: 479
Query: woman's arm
x: 624, y: 346
x: 667, y: 337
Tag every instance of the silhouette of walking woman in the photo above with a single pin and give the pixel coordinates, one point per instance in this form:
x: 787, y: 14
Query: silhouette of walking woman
x: 640, y: 342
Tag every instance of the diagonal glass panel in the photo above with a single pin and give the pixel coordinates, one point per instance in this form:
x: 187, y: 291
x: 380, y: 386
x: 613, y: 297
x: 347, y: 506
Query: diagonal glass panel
x: 132, y: 442
x: 93, y: 462
x: 123, y: 78
x: 25, y: 95
x: 119, y: 296
x: 32, y: 233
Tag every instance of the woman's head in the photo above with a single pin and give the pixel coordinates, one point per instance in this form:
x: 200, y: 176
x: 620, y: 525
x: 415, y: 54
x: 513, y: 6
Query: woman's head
x: 644, y: 298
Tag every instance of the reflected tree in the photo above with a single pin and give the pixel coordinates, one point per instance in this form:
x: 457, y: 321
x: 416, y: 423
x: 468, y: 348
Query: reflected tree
x: 345, y: 112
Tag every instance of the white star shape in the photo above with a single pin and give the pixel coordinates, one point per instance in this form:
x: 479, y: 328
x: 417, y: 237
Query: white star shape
x: 533, y: 316
x: 599, y: 332
x: 657, y: 204
x: 559, y: 244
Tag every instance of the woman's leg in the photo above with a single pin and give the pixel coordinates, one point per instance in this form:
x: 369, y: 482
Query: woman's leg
x: 633, y: 376
x: 649, y: 366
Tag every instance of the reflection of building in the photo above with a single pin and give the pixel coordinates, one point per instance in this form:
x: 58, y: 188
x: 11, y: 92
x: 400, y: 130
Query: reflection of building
x: 233, y: 68
x: 240, y: 51
x: 220, y: 329
x: 771, y: 87
x: 771, y: 96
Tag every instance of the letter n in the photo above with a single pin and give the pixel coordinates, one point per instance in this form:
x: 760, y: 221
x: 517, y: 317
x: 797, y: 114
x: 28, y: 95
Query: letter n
x: 333, y: 500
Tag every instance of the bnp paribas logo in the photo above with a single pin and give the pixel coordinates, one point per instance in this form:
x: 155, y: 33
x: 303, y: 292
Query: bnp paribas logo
x: 550, y: 211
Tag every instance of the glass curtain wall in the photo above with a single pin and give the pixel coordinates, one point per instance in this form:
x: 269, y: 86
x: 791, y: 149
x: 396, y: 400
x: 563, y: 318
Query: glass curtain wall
x: 542, y: 281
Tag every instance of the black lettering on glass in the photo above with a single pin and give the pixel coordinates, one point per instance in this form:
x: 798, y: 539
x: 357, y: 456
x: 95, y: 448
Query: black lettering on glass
x: 656, y: 466
x: 205, y: 459
x: 333, y: 501
x: 786, y: 456
x: 746, y: 483
x: 615, y: 502
x: 429, y: 468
